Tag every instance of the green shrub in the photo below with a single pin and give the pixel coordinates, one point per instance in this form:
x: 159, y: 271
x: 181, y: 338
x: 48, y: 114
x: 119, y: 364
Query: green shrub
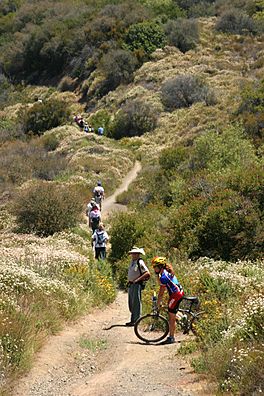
x: 100, y: 118
x: 165, y: 9
x: 118, y: 66
x: 45, y: 208
x: 223, y: 225
x: 134, y: 119
x: 50, y: 142
x: 145, y: 36
x: 235, y: 21
x: 229, y: 149
x: 182, y: 33
x: 44, y: 116
x: 126, y: 230
x: 171, y: 158
x: 185, y: 90
x: 251, y: 111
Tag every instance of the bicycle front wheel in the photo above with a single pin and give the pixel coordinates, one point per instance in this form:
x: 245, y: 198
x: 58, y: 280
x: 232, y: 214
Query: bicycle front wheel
x: 151, y: 328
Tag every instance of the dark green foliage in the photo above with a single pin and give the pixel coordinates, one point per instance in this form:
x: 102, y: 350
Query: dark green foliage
x: 44, y: 116
x: 171, y: 158
x: 126, y: 230
x: 118, y: 67
x: 134, y: 119
x: 45, y: 208
x: 185, y: 90
x: 251, y: 111
x: 236, y: 21
x: 183, y: 33
x: 145, y: 37
x: 223, y: 225
x: 165, y: 9
x: 100, y: 119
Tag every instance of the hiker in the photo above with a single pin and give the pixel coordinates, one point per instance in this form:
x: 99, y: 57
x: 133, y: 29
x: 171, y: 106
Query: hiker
x: 79, y: 121
x: 167, y: 280
x: 100, y: 131
x: 94, y: 217
x: 86, y: 127
x: 100, y: 239
x: 98, y: 193
x: 137, y: 272
x: 89, y: 208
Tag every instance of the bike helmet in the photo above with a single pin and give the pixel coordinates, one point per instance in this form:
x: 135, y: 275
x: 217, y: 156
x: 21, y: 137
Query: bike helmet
x: 158, y: 262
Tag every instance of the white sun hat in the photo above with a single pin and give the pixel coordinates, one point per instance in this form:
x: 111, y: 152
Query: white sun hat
x: 137, y: 250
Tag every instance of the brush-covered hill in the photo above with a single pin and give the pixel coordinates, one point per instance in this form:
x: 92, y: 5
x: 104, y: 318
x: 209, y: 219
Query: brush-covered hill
x: 176, y: 84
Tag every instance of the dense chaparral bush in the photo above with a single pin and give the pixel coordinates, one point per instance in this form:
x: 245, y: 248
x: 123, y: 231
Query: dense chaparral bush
x: 236, y: 21
x: 185, y: 90
x: 145, y: 37
x: 134, y: 119
x: 118, y: 67
x: 251, y: 111
x: 46, y: 208
x: 43, y: 116
x: 182, y: 33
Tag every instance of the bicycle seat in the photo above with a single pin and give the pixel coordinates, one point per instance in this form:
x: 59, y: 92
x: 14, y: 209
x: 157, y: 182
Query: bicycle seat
x: 192, y: 299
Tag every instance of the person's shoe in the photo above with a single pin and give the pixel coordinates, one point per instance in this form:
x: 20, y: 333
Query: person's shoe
x: 170, y: 340
x: 130, y: 324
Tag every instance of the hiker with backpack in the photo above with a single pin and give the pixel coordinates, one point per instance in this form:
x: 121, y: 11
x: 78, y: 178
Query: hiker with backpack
x: 99, y: 194
x: 99, y: 240
x: 94, y: 217
x: 138, y: 274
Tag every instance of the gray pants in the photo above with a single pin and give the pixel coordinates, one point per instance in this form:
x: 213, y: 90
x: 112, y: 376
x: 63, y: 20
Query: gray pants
x: 134, y: 301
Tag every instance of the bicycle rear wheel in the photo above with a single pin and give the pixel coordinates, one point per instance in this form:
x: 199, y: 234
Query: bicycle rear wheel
x: 151, y: 328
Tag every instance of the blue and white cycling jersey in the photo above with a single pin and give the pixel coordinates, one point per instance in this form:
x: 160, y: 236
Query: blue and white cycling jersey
x: 170, y: 281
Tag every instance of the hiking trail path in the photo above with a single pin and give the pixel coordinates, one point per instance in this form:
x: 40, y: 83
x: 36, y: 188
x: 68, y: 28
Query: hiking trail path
x: 121, y: 365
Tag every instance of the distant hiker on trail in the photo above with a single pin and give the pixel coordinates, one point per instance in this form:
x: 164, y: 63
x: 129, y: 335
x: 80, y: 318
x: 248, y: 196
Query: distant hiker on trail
x: 79, y: 121
x: 100, y: 131
x: 99, y: 194
x: 137, y: 272
x: 86, y: 127
x: 94, y: 217
x: 167, y: 280
x: 89, y: 208
x: 100, y: 239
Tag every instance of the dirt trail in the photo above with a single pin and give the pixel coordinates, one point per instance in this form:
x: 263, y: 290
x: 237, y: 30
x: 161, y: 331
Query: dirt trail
x: 120, y: 365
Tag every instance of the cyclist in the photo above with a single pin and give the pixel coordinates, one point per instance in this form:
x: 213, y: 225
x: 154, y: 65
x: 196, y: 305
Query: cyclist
x: 168, y: 280
x: 99, y: 194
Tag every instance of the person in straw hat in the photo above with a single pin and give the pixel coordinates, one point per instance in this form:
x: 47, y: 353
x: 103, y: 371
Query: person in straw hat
x: 137, y: 273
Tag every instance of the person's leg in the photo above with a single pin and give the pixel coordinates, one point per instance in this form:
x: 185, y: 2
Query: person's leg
x: 172, y: 323
x: 97, y: 253
x: 102, y: 253
x: 136, y: 302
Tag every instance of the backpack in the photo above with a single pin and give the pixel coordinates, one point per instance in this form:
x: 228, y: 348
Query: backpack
x: 97, y: 193
x: 100, y: 237
x: 142, y: 283
x: 95, y: 218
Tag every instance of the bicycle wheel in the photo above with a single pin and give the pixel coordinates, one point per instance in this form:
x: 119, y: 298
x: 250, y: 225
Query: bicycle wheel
x: 151, y: 328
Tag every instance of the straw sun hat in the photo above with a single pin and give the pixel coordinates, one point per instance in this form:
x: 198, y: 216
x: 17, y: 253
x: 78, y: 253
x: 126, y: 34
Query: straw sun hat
x: 137, y: 250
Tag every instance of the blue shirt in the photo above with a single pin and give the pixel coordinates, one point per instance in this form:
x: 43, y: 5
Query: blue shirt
x: 170, y: 281
x: 100, y: 131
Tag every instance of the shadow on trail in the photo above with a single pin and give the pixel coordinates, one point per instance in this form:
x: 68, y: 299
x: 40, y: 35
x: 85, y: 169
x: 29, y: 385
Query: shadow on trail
x: 115, y: 325
x: 152, y: 343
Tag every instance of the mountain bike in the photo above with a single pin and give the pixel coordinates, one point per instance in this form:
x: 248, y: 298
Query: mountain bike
x: 154, y: 327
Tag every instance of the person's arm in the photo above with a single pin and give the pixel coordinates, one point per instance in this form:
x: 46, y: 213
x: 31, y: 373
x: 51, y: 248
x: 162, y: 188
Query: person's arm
x: 144, y: 275
x: 160, y: 294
